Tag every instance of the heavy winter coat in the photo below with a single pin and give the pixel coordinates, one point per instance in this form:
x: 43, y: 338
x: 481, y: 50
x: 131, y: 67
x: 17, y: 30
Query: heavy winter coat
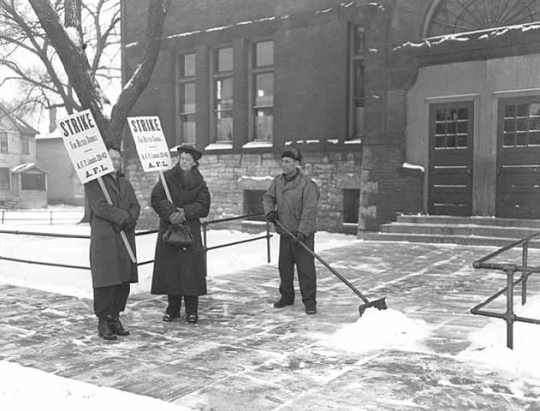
x: 296, y: 202
x: 109, y: 259
x: 178, y: 271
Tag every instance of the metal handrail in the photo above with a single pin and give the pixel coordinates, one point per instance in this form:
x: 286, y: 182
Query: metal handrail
x: 205, y: 224
x: 510, y: 269
x: 139, y: 233
x: 47, y: 216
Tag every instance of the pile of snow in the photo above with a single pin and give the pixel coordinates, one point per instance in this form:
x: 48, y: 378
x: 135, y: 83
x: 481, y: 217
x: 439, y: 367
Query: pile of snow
x: 488, y: 345
x: 381, y: 329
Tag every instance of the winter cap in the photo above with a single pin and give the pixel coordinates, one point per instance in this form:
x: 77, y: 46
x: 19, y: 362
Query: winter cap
x: 190, y: 149
x: 293, y: 153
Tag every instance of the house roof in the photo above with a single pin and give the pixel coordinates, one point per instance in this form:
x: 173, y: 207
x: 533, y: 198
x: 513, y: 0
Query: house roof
x: 25, y: 167
x: 22, y: 126
x: 55, y: 134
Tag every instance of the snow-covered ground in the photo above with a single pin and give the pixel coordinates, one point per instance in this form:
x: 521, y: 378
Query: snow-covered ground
x: 23, y: 388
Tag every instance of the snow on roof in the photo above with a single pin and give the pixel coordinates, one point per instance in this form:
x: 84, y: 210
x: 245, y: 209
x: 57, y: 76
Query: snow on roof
x: 483, y: 34
x: 49, y: 136
x: 242, y: 23
x: 24, y: 167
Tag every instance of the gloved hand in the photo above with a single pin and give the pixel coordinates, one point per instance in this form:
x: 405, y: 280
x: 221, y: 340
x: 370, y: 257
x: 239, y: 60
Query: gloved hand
x: 177, y: 218
x: 129, y: 224
x: 300, y: 237
x: 182, y: 214
x: 272, y: 217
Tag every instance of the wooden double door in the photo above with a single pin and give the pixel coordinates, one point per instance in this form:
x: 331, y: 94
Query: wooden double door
x: 450, y: 176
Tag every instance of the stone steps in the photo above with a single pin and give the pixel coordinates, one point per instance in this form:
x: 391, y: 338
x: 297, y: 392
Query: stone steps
x: 475, y: 231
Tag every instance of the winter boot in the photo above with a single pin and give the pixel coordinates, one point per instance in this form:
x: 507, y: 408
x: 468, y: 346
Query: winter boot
x: 116, y: 326
x: 192, y: 306
x: 104, y: 330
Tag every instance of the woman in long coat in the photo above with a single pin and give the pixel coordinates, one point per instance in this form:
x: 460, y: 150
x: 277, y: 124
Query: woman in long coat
x: 111, y: 266
x: 177, y: 271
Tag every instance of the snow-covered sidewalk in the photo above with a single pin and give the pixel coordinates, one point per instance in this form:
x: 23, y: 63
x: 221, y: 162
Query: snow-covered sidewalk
x: 392, y: 330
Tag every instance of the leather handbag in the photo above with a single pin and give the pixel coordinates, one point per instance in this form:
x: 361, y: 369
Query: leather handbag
x: 178, y: 236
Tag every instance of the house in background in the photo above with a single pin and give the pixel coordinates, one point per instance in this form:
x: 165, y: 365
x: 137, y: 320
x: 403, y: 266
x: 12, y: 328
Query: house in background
x: 64, y: 186
x: 23, y: 183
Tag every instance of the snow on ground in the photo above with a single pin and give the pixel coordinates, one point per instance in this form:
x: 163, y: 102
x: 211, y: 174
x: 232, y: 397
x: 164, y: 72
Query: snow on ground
x: 28, y: 389
x: 387, y: 329
x: 488, y: 345
x: 77, y: 282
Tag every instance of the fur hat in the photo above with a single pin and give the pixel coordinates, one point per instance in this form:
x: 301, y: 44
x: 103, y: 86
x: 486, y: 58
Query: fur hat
x: 190, y: 149
x: 293, y: 153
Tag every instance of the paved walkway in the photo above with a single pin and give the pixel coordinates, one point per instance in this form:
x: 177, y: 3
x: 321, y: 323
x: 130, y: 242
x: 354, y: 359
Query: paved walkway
x: 245, y: 355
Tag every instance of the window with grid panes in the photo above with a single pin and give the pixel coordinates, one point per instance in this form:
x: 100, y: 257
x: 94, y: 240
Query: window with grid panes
x: 351, y: 202
x: 223, y: 94
x: 186, y: 98
x: 356, y: 81
x: 263, y: 90
x: 451, y: 128
x: 521, y: 125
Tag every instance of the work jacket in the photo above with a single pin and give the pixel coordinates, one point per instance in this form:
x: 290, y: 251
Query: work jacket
x: 296, y: 202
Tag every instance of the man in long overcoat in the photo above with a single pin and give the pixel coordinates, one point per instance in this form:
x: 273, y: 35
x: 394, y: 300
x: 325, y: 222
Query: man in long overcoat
x: 111, y: 265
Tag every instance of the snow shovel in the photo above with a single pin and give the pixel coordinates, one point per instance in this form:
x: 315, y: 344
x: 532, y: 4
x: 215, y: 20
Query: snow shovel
x: 379, y: 304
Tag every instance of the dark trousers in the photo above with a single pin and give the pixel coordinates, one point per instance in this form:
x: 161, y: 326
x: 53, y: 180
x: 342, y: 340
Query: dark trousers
x: 175, y: 302
x: 291, y: 254
x: 111, y: 300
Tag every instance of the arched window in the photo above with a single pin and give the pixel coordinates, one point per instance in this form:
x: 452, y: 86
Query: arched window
x: 458, y: 16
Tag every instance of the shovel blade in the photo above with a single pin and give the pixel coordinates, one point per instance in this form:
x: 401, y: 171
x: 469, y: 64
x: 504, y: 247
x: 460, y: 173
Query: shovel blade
x: 379, y: 304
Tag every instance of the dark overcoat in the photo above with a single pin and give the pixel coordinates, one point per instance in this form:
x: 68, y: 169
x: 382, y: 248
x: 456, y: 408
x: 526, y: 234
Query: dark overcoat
x: 109, y: 259
x: 178, y: 271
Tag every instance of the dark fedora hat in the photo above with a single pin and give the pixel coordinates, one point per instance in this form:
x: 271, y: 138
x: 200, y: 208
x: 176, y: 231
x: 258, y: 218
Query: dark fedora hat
x: 190, y: 149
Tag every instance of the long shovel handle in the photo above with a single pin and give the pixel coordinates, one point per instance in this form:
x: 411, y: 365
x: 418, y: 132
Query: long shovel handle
x: 122, y: 233
x: 338, y: 275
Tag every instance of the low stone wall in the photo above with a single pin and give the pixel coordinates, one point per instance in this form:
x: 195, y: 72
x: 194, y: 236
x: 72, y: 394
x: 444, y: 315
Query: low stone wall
x: 228, y: 175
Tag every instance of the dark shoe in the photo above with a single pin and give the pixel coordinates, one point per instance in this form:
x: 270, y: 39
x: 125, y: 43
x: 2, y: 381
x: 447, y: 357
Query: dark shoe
x: 281, y: 303
x: 104, y: 330
x: 116, y: 327
x: 170, y: 317
x: 192, y: 318
x: 311, y: 310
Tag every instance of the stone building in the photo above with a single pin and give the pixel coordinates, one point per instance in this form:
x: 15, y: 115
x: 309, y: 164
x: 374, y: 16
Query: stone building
x: 399, y: 106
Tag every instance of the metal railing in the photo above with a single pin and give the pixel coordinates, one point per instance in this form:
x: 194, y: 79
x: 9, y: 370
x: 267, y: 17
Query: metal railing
x: 204, y: 224
x: 38, y: 216
x: 510, y: 269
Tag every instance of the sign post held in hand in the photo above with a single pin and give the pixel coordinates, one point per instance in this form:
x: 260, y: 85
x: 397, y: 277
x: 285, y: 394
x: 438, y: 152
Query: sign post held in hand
x: 88, y: 154
x: 151, y: 146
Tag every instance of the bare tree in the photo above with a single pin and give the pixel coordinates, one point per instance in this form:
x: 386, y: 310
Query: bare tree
x: 29, y: 60
x: 68, y: 41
